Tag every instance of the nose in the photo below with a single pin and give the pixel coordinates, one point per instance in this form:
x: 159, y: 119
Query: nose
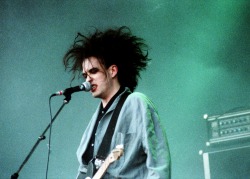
x: 88, y: 78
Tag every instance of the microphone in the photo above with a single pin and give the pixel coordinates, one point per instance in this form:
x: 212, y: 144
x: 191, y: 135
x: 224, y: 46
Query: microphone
x: 85, y: 86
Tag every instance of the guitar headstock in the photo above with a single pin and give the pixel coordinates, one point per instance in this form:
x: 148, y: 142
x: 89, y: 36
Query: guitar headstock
x: 115, y: 154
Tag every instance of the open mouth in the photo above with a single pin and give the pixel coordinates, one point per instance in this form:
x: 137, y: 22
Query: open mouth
x: 93, y: 88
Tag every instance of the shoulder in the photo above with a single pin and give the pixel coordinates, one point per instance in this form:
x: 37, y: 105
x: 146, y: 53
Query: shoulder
x: 138, y: 98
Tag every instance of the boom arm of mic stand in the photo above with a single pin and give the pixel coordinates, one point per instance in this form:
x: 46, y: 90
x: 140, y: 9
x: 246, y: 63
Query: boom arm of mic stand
x: 40, y: 138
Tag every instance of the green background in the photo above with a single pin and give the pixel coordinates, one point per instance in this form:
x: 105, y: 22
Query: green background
x: 201, y: 65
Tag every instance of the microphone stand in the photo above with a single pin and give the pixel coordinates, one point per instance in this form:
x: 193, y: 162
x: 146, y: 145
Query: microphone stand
x: 41, y: 137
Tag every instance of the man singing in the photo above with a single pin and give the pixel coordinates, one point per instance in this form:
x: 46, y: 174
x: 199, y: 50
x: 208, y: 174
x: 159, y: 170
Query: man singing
x: 111, y: 61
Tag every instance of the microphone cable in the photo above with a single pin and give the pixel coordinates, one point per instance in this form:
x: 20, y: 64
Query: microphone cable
x: 49, y: 144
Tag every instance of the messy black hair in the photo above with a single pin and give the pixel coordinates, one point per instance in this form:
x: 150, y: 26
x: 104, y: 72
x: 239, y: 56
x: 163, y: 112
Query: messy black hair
x: 111, y: 47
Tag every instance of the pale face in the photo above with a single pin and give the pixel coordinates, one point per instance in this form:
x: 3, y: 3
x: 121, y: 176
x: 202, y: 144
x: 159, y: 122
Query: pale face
x: 99, y: 78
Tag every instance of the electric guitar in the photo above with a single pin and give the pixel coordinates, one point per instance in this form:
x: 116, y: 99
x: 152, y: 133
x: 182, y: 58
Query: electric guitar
x: 113, y: 156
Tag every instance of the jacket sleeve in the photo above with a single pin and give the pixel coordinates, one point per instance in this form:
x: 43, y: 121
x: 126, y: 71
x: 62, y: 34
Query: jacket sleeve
x: 155, y: 143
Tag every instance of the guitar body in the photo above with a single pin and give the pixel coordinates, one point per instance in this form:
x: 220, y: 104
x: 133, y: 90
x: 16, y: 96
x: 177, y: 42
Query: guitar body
x: 92, y: 173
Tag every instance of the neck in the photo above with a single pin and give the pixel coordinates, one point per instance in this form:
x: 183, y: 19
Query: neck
x: 112, y: 92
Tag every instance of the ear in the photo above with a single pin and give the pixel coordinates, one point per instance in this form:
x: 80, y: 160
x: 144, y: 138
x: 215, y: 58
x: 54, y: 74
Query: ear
x: 113, y: 70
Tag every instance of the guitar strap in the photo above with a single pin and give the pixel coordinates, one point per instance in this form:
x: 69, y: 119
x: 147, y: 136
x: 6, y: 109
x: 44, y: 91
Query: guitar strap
x: 104, y: 149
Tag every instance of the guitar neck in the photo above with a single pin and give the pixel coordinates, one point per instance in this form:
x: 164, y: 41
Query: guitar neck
x: 102, y: 169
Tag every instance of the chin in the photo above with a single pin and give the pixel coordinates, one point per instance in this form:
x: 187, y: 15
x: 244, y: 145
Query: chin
x: 95, y: 95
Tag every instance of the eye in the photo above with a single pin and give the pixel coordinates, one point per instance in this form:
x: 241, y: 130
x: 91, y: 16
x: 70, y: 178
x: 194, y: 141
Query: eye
x: 90, y: 72
x: 84, y: 75
x: 93, y: 70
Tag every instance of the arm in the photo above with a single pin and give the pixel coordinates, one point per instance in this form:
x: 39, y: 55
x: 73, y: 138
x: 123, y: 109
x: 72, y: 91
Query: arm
x: 155, y: 144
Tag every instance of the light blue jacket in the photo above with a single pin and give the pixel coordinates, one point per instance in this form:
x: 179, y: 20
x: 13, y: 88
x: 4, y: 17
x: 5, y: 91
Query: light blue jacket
x: 146, y: 151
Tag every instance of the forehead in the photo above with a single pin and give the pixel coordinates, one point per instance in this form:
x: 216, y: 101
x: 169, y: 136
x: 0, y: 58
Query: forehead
x: 89, y: 63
